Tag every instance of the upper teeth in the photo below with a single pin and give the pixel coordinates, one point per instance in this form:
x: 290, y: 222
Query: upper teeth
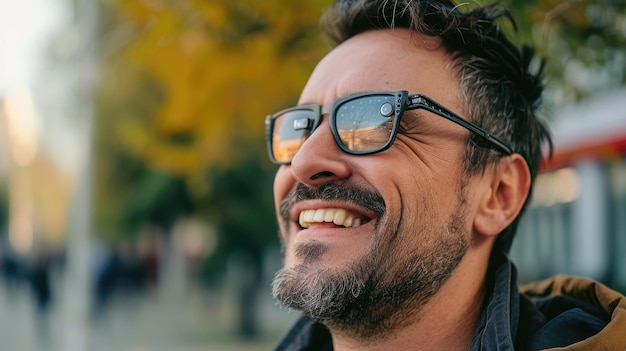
x: 328, y: 215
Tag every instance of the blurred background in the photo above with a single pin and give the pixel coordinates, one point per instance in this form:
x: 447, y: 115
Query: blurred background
x: 136, y: 210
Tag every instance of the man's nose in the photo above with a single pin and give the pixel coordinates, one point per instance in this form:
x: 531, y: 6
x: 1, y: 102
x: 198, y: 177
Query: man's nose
x: 319, y: 159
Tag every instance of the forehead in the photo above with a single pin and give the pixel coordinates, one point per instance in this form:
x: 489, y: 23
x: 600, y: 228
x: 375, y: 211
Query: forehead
x: 384, y: 60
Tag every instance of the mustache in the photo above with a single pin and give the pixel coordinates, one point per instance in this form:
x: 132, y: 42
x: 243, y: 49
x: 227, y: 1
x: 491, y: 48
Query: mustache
x: 359, y: 196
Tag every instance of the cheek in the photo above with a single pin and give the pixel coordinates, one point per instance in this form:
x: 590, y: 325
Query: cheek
x: 283, y: 183
x: 419, y: 200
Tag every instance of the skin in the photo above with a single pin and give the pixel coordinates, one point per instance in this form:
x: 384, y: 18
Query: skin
x: 419, y: 180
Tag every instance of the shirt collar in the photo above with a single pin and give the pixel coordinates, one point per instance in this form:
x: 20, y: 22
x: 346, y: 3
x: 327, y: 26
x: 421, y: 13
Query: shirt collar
x: 498, y: 323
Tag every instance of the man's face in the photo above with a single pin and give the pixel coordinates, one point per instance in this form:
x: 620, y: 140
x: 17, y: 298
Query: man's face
x: 408, y: 218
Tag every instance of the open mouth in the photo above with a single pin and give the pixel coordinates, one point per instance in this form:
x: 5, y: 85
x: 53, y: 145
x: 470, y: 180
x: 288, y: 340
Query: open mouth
x: 337, y: 216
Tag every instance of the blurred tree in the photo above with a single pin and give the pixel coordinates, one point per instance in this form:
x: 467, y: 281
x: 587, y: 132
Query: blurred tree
x: 243, y: 210
x: 182, y: 80
x: 212, y: 62
x: 180, y: 130
x: 584, y: 40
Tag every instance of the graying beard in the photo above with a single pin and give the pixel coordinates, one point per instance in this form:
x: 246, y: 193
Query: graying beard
x: 370, y: 299
x: 327, y: 299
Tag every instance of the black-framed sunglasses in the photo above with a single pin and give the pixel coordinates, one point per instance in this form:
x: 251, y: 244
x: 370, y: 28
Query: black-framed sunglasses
x: 361, y: 124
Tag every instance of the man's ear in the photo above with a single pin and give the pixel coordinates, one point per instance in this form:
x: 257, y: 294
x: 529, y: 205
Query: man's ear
x: 503, y: 200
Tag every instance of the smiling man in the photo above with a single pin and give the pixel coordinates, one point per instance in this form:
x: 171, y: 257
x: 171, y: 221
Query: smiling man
x: 404, y: 170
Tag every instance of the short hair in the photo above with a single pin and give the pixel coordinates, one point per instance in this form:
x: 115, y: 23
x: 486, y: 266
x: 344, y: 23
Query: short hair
x: 498, y: 88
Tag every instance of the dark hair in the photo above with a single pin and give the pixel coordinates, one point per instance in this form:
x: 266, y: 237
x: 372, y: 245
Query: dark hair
x: 499, y: 89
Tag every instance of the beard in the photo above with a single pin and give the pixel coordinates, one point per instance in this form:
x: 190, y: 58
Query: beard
x: 386, y: 287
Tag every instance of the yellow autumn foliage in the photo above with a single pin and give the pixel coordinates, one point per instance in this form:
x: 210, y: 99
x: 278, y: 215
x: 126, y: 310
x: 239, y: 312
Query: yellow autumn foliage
x: 222, y: 66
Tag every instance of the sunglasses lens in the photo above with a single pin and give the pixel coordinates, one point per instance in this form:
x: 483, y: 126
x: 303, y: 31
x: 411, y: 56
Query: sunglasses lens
x: 366, y: 123
x: 291, y: 129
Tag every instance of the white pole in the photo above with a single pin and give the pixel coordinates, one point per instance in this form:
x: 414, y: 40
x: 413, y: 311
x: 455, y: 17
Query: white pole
x: 77, y: 274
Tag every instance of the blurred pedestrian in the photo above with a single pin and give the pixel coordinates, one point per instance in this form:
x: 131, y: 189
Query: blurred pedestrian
x: 40, y: 283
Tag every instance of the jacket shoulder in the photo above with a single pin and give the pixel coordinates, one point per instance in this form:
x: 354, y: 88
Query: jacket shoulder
x: 580, y: 313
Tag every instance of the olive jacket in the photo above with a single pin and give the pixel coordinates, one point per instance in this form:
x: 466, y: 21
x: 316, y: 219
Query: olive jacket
x: 610, y: 303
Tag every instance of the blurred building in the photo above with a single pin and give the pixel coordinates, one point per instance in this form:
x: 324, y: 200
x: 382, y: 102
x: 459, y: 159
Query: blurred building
x: 576, y: 223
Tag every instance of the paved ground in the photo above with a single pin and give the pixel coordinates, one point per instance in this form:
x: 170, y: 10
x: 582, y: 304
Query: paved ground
x: 174, y: 319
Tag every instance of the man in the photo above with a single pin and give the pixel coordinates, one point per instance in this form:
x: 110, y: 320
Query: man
x: 405, y: 167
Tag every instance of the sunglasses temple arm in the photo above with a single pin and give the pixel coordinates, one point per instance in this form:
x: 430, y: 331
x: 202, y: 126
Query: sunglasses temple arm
x: 418, y: 101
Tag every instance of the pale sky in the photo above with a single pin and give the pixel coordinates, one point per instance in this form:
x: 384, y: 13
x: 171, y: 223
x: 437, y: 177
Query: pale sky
x: 24, y: 26
x: 26, y: 30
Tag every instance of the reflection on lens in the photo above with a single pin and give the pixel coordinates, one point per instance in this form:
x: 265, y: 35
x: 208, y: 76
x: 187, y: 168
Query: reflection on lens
x: 361, y: 124
x: 290, y: 131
